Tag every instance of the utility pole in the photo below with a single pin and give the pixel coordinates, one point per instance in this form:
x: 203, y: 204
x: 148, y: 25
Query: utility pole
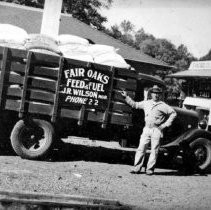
x: 51, y: 17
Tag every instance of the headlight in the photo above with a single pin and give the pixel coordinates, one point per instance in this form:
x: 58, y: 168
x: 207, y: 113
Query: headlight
x: 203, y: 124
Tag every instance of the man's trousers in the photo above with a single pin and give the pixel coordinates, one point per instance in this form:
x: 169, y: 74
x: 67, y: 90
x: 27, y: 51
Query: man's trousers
x: 152, y: 135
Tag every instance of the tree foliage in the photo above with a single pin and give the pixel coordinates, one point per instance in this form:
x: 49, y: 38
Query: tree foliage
x: 206, y: 57
x: 161, y: 49
x: 127, y: 26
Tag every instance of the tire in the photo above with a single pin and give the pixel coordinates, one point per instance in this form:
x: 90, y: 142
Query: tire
x: 32, y: 140
x: 201, y: 148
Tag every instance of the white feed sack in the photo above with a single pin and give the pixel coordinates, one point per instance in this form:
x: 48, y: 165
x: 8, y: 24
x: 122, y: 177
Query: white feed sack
x: 42, y: 41
x: 76, y: 51
x: 81, y: 57
x: 99, y: 49
x: 111, y: 59
x: 64, y: 39
x: 107, y: 55
x: 74, y: 47
x: 12, y: 36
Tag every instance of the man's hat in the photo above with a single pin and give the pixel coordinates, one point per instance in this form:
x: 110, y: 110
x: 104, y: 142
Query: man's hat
x: 156, y: 89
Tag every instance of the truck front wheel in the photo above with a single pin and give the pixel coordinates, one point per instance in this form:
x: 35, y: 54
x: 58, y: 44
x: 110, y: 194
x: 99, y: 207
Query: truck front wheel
x: 32, y: 139
x: 201, y: 148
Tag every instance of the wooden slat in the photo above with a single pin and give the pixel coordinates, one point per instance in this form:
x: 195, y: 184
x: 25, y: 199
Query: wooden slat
x: 42, y: 84
x: 46, y: 109
x: 44, y: 59
x: 1, y: 51
x: 36, y: 71
x: 14, y: 92
x: 36, y: 95
x: 56, y: 95
x: 32, y: 95
x: 114, y: 118
x: 17, y: 67
x: 40, y: 96
x: 102, y: 67
x: 105, y: 117
x: 120, y: 107
x: 25, y: 85
x: 35, y: 108
x: 34, y: 82
x: 118, y: 97
x: 97, y: 117
x: 45, y: 71
x: 77, y: 63
x: 13, y: 105
x: 121, y: 84
x: 15, y: 79
x: 18, y: 54
x: 81, y: 115
x: 125, y: 73
x: 132, y: 84
x: 3, y: 73
x: 68, y: 113
x: 121, y: 119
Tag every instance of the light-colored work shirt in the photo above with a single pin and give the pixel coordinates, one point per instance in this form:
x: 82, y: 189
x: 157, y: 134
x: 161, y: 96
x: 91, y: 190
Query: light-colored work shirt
x: 156, y: 113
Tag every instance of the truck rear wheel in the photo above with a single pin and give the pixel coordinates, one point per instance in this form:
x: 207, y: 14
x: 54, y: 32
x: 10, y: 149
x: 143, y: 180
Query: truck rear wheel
x: 201, y: 148
x: 32, y: 139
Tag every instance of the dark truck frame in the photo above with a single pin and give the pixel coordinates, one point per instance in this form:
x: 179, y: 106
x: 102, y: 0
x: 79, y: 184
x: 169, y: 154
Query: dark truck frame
x: 41, y: 90
x: 44, y: 97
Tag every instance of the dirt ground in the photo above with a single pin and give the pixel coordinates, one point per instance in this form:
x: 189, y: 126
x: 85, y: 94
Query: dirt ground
x: 104, y: 173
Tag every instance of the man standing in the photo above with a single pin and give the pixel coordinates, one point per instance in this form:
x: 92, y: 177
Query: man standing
x: 158, y: 116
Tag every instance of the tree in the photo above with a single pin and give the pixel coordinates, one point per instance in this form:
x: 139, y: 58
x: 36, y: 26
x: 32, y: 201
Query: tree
x: 85, y: 11
x: 160, y: 49
x: 123, y: 32
x: 206, y: 57
x: 127, y: 26
x: 184, y: 58
x: 115, y: 32
x: 141, y: 36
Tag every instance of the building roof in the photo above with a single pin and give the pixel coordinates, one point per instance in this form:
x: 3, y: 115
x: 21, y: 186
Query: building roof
x: 192, y: 73
x: 30, y: 19
x: 197, y: 69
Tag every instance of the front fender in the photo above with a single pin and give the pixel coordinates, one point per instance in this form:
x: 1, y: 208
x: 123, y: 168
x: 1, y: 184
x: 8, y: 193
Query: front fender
x: 189, y: 136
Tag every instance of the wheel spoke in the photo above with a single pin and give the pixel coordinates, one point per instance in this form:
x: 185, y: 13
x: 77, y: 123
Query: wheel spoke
x: 200, y: 154
x: 33, y: 138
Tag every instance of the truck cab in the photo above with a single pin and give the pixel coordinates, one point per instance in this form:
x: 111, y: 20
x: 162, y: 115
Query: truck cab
x: 196, y: 86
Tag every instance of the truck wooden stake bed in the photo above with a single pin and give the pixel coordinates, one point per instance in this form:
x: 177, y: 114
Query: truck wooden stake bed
x: 49, y: 87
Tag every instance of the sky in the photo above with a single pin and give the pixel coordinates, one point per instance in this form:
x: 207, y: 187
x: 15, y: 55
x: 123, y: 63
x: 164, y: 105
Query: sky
x: 185, y: 22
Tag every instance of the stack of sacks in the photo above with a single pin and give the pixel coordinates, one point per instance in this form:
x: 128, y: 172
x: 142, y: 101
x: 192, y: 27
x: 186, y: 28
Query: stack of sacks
x: 42, y: 43
x: 107, y: 55
x: 74, y: 47
x: 12, y: 36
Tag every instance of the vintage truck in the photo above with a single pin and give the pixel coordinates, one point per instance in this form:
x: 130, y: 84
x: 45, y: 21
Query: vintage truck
x: 45, y: 97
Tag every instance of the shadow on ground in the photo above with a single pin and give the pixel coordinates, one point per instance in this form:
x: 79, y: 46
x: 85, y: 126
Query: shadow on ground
x: 68, y: 152
x: 72, y: 152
